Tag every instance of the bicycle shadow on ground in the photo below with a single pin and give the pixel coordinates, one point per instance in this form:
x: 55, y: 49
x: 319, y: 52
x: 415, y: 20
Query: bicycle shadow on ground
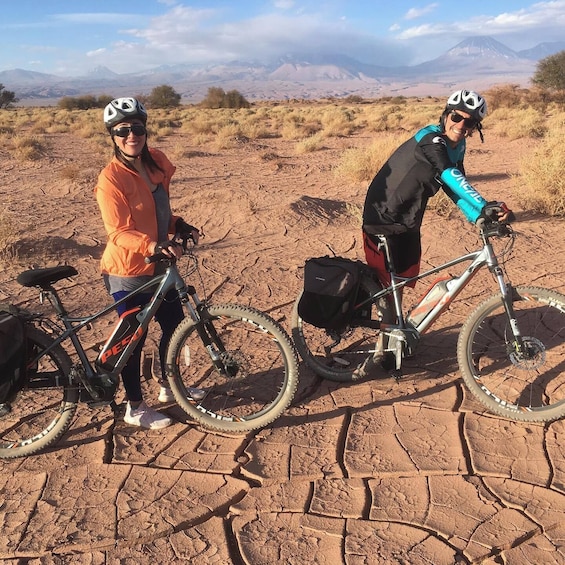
x: 87, y: 428
x: 324, y: 387
x: 56, y: 248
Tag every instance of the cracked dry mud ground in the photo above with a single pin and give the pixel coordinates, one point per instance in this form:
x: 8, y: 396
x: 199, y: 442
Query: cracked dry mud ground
x: 376, y: 472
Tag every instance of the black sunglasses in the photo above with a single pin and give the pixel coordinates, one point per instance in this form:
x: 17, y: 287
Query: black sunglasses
x: 124, y: 131
x: 469, y: 122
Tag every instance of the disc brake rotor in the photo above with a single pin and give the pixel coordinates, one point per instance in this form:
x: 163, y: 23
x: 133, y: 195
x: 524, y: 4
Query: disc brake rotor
x: 532, y: 355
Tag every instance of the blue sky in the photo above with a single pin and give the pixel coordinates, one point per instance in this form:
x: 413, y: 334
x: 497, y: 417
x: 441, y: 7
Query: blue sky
x: 72, y: 38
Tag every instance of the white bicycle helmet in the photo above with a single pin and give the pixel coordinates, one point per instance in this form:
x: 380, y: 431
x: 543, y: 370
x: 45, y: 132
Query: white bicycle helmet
x: 123, y: 109
x: 468, y: 101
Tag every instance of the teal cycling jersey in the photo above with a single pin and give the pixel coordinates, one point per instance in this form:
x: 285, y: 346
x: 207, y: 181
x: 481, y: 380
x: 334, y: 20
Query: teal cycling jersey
x: 398, y: 195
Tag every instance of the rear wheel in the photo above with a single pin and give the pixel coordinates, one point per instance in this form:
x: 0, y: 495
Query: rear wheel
x: 526, y: 384
x: 41, y: 413
x: 348, y: 354
x: 252, y: 379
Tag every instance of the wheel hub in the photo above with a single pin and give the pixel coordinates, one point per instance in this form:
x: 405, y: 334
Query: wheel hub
x: 532, y: 355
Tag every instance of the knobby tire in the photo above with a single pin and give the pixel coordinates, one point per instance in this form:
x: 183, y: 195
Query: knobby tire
x: 263, y: 370
x: 525, y: 386
x: 38, y: 417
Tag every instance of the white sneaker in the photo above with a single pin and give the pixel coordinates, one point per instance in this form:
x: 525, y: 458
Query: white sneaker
x: 146, y: 417
x: 166, y: 394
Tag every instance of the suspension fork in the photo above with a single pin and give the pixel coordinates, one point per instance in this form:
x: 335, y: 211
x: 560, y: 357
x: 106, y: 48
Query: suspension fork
x: 205, y: 329
x: 508, y: 296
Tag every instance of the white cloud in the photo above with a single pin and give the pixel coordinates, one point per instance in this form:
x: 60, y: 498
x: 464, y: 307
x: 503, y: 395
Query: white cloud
x: 96, y: 52
x: 543, y: 21
x: 187, y: 35
x: 415, y: 13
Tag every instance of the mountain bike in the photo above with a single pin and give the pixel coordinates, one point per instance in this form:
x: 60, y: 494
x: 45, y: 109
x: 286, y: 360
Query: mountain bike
x: 242, y: 358
x: 510, y: 350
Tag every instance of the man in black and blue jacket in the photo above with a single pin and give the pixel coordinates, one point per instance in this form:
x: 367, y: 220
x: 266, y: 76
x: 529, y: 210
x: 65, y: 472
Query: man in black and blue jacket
x: 431, y: 160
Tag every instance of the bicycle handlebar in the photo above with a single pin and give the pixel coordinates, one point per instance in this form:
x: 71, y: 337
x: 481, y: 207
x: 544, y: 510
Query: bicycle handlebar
x: 496, y: 229
x: 177, y: 238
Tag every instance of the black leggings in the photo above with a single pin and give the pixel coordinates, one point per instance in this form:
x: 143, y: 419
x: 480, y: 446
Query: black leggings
x: 168, y: 316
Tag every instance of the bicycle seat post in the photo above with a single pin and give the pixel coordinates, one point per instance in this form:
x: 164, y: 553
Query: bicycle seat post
x: 396, y: 292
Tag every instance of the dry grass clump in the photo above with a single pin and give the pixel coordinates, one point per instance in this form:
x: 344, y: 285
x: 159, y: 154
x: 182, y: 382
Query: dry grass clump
x: 514, y: 97
x: 540, y: 186
x: 27, y: 147
x: 361, y: 165
x: 227, y: 136
x: 71, y: 173
x: 295, y: 126
x: 313, y: 143
x: 202, y: 124
x: 338, y: 122
x: 517, y: 123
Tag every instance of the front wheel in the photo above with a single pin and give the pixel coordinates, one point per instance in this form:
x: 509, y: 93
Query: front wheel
x: 521, y: 383
x: 250, y: 375
x: 344, y: 355
x: 40, y: 413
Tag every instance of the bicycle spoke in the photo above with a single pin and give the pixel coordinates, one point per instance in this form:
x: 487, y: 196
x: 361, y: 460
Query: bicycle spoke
x: 526, y: 383
x: 257, y: 378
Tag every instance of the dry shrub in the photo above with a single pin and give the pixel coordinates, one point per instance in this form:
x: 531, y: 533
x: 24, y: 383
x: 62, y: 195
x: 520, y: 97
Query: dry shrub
x: 517, y: 123
x: 504, y: 96
x: 293, y: 126
x: 388, y: 118
x: 252, y: 125
x: 163, y: 131
x: 541, y: 186
x: 418, y: 116
x: 361, y: 164
x: 42, y: 124
x: 513, y: 96
x: 227, y: 136
x: 313, y: 143
x: 27, y: 147
x: 338, y: 122
x: 89, y: 130
x: 199, y: 124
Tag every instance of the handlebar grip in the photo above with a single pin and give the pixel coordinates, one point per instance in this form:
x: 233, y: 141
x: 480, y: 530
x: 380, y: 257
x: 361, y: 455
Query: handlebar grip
x: 156, y: 258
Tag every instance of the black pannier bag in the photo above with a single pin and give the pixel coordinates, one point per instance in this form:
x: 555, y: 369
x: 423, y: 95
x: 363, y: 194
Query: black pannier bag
x: 12, y: 352
x: 330, y: 290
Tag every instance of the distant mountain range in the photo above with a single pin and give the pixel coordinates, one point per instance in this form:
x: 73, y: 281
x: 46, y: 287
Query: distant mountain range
x: 476, y: 62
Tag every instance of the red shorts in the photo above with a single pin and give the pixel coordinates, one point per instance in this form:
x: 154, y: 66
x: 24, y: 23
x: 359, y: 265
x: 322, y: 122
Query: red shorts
x: 376, y: 260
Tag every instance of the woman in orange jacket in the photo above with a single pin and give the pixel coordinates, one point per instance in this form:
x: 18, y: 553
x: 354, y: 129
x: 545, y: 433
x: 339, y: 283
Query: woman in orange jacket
x: 133, y: 196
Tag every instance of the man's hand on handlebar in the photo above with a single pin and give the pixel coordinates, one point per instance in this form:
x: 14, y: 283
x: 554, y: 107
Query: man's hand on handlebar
x: 495, y: 212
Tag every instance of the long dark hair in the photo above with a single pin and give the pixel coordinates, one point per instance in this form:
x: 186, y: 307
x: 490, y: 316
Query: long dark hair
x: 145, y: 156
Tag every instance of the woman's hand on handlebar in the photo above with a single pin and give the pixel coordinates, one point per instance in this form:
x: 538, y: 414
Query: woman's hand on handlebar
x: 169, y: 248
x: 186, y: 231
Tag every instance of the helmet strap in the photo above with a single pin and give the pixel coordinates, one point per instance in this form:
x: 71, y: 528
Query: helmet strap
x: 480, y: 130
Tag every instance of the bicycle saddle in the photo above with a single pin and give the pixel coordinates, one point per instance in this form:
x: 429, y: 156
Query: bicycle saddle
x: 46, y: 277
